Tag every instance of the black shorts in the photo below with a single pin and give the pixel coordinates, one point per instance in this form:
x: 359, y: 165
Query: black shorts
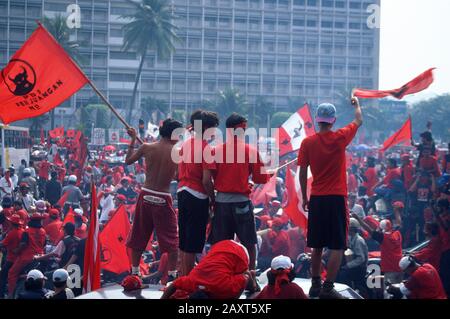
x: 234, y: 218
x: 328, y: 222
x: 193, y: 214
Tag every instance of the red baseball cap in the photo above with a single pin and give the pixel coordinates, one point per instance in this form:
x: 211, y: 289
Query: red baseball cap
x: 121, y: 197
x: 53, y: 212
x: 132, y: 282
x: 15, y: 219
x: 398, y: 204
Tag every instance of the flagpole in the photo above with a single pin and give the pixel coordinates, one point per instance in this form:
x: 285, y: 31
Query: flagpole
x: 100, y: 94
x: 286, y: 164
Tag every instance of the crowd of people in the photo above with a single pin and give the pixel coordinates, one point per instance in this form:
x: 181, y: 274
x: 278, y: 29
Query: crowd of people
x: 197, y: 228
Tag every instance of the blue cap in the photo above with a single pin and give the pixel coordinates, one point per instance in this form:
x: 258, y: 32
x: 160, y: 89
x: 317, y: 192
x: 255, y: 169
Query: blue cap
x: 326, y: 113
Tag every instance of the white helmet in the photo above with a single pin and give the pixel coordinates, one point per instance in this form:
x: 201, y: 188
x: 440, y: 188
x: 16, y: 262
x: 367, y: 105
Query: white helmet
x: 72, y: 179
x: 406, y: 262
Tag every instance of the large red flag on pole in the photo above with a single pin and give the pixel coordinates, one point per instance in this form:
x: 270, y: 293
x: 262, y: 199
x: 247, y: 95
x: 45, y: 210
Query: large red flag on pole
x: 294, y: 130
x: 39, y: 77
x: 113, y: 237
x: 416, y: 85
x: 403, y: 135
x: 91, y: 275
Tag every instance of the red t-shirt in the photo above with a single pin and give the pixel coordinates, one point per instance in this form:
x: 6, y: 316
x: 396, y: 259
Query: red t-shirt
x: 425, y: 283
x: 11, y: 242
x: 391, y: 252
x: 371, y: 180
x: 280, y: 244
x: 445, y: 239
x: 231, y: 174
x: 392, y: 174
x: 408, y: 175
x: 190, y: 168
x: 81, y: 232
x: 55, y: 231
x: 430, y: 163
x: 325, y: 154
x: 43, y: 169
x: 36, y: 243
x: 431, y: 253
x: 288, y: 291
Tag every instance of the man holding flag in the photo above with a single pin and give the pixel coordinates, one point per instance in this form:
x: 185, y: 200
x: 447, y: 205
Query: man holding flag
x: 324, y: 154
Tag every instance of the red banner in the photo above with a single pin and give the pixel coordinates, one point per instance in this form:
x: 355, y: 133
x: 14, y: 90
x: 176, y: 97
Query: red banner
x: 416, y: 85
x: 39, y: 77
x: 56, y: 132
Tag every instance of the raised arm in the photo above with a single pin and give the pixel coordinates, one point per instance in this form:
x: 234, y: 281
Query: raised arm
x: 358, y: 114
x: 133, y: 156
x: 303, y: 186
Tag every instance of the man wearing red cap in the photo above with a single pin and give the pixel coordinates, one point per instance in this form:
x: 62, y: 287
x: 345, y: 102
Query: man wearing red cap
x: 32, y: 243
x: 408, y: 171
x: 54, y: 228
x: 11, y: 242
x: 324, y: 154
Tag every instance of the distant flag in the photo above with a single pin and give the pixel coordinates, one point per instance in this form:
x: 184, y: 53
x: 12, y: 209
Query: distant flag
x: 57, y: 160
x: 294, y: 130
x: 39, y: 77
x: 62, y: 200
x: 91, y: 275
x: 403, y: 135
x: 264, y: 193
x: 416, y: 85
x: 70, y: 217
x: 56, y: 132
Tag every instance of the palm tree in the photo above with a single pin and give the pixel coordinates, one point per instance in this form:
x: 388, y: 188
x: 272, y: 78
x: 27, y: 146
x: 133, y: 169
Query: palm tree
x: 153, y: 109
x: 230, y: 100
x: 57, y: 26
x: 150, y: 28
x: 38, y: 122
x: 262, y: 109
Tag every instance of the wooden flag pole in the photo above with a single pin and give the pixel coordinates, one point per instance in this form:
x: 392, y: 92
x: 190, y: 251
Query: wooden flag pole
x: 104, y: 99
x: 286, y: 164
x: 100, y: 94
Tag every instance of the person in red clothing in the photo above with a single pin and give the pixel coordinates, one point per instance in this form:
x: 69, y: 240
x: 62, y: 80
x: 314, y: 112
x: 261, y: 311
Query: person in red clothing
x: 54, y: 229
x: 423, y: 282
x: 222, y: 274
x: 408, y: 171
x: 297, y: 242
x: 81, y: 229
x: 443, y: 218
x: 370, y: 177
x: 32, y: 243
x: 234, y: 162
x: 275, y: 242
x: 391, y: 181
x: 11, y: 243
x: 44, y: 168
x: 280, y: 285
x: 432, y: 252
x: 328, y: 214
x: 193, y: 199
x: 390, y: 247
x: 429, y: 163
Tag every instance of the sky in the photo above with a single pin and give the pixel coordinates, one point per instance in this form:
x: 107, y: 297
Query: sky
x: 415, y: 35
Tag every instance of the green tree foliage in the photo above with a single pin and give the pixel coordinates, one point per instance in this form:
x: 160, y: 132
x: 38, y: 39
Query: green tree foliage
x: 279, y: 118
x: 97, y: 114
x: 154, y: 110
x: 435, y: 110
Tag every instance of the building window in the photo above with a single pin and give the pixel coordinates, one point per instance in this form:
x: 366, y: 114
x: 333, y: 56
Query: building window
x: 325, y: 69
x: 311, y: 48
x: 326, y: 48
x: 327, y: 3
x: 311, y: 23
x: 311, y: 69
x: 211, y: 44
x: 100, y: 60
x: 297, y: 68
x: 312, y: 3
x: 17, y: 10
x: 253, y: 67
x: 298, y: 23
x: 120, y: 55
x: 283, y: 67
x: 269, y: 46
x: 299, y: 2
x: 17, y: 34
x: 122, y: 77
x: 269, y: 67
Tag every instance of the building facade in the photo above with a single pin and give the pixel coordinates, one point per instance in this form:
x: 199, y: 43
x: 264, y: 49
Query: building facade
x: 303, y: 50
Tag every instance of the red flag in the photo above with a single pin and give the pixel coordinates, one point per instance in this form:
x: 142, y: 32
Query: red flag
x: 264, y: 193
x: 403, y: 135
x: 294, y: 130
x: 70, y: 217
x: 42, y: 136
x: 57, y: 160
x: 294, y: 206
x: 113, y: 238
x: 70, y: 133
x: 63, y: 199
x: 56, y: 132
x: 124, y: 140
x: 418, y: 84
x: 91, y: 275
x: 39, y: 77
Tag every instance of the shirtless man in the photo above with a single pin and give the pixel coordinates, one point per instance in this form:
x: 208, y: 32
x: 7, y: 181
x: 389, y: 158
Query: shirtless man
x: 154, y: 209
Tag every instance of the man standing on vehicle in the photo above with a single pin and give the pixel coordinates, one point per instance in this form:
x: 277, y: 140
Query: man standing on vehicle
x: 154, y: 210
x: 328, y: 216
x: 74, y: 196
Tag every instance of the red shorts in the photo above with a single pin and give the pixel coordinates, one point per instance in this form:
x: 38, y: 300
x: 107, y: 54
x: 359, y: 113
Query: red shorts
x: 154, y: 211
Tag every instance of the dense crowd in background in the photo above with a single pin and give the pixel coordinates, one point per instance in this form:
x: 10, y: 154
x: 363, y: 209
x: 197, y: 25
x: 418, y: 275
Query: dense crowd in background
x: 397, y: 200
